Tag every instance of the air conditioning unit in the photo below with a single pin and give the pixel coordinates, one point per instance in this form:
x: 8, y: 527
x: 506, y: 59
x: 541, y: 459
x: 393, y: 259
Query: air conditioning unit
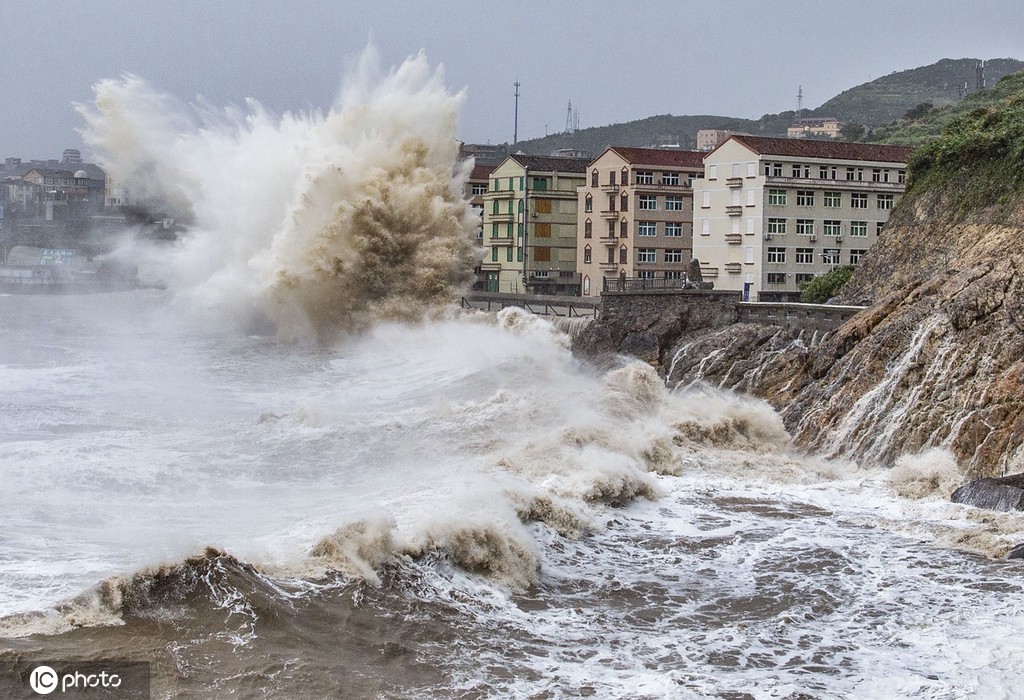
x: 768, y: 236
x: 813, y: 238
x: 839, y: 239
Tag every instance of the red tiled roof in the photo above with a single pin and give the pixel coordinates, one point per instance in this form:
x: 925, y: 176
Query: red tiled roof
x: 661, y: 156
x: 551, y: 164
x: 814, y: 148
x: 481, y: 172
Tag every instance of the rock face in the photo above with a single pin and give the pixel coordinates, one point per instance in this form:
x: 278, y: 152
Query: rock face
x: 936, y: 361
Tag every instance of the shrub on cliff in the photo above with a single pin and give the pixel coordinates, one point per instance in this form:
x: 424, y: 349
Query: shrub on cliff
x: 979, y: 159
x: 822, y: 288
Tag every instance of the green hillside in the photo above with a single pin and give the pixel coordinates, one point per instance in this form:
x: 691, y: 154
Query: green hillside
x: 878, y: 102
x: 886, y: 99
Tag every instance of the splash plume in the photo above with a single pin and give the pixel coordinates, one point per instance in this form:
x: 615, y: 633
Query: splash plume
x: 320, y: 223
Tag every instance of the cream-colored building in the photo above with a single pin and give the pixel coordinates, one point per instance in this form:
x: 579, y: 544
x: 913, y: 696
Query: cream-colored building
x: 828, y: 127
x: 635, y: 216
x: 529, y: 225
x: 770, y: 213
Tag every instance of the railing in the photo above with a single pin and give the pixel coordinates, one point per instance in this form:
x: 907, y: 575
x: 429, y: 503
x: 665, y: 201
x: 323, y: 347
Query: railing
x: 541, y: 305
x: 643, y: 284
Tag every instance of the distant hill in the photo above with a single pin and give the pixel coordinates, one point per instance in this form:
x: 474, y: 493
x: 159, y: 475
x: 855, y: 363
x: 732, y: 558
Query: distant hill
x: 877, y: 102
x: 889, y: 98
x: 929, y: 125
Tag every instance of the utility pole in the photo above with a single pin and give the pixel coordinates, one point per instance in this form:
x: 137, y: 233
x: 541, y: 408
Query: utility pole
x: 515, y: 127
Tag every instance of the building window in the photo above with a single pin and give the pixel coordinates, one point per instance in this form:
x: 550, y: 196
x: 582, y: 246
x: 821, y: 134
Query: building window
x: 856, y: 255
x: 712, y: 171
x: 588, y: 229
x: 802, y: 278
x: 777, y: 197
x: 671, y: 179
x: 859, y: 228
x: 804, y: 256
x: 776, y: 278
x: 705, y: 200
x: 542, y: 254
x: 623, y: 255
x: 623, y: 229
x: 540, y: 273
x: 611, y: 256
x: 833, y: 199
x: 494, y: 254
x: 624, y: 202
x: 644, y: 177
x: 588, y: 204
x: 611, y: 202
x: 878, y: 227
x: 540, y: 183
x: 885, y: 201
x: 859, y: 200
x: 673, y: 203
x: 593, y: 178
x: 673, y: 274
x: 776, y: 255
x: 805, y: 198
x: 776, y: 226
x: 519, y: 254
x: 646, y: 228
x: 479, y: 187
x: 673, y: 256
x: 646, y: 255
x: 647, y: 202
x: 830, y: 227
x: 673, y: 229
x: 645, y: 274
x: 805, y: 227
x: 876, y: 175
x: 588, y: 255
x: 901, y: 176
x: 611, y: 177
x: 801, y: 170
x: 508, y: 254
x: 611, y: 229
x: 849, y: 173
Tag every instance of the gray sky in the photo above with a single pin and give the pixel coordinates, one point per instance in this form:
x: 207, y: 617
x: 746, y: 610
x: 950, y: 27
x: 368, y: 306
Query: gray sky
x: 615, y: 60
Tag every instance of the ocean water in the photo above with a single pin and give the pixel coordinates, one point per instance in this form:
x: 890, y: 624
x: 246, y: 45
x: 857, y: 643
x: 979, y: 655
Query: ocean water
x: 457, y: 508
x: 296, y: 472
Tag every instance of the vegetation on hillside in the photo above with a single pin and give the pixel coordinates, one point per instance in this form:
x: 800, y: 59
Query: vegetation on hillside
x: 979, y: 157
x: 888, y: 98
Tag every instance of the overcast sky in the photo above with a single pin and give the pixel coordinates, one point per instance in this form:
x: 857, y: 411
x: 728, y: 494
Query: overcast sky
x: 616, y: 61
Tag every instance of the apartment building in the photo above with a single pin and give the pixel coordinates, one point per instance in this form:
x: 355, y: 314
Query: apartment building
x: 474, y: 191
x: 770, y: 214
x: 635, y: 216
x: 826, y: 127
x: 529, y: 225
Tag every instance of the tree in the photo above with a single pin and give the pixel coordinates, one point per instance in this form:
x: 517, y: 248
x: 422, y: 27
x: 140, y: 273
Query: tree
x: 919, y: 111
x: 852, y: 131
x: 821, y: 289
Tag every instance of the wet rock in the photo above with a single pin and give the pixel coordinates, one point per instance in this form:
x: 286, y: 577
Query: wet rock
x: 1017, y: 552
x: 994, y: 494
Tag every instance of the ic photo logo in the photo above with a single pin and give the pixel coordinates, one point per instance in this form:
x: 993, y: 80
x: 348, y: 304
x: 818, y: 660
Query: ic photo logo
x: 44, y: 680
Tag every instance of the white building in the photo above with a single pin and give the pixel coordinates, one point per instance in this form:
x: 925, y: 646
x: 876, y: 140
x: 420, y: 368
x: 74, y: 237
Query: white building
x: 771, y: 213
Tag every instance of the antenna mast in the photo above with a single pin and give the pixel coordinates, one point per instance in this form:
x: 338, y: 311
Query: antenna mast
x: 799, y: 100
x: 515, y: 127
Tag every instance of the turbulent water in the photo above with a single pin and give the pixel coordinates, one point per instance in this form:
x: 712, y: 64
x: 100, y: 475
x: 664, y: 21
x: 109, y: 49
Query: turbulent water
x: 296, y: 472
x: 456, y: 509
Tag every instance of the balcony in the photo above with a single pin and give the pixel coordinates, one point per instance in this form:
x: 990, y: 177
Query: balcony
x: 613, y: 266
x: 733, y: 268
x: 505, y: 218
x: 708, y: 272
x: 608, y: 240
x: 609, y: 214
x: 855, y: 185
x: 606, y: 187
x: 499, y: 241
x: 734, y: 209
x: 658, y: 187
x: 734, y: 182
x: 734, y: 238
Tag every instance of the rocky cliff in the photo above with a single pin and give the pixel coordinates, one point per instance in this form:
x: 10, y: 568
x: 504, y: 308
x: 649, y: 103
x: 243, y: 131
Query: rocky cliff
x: 937, y: 360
